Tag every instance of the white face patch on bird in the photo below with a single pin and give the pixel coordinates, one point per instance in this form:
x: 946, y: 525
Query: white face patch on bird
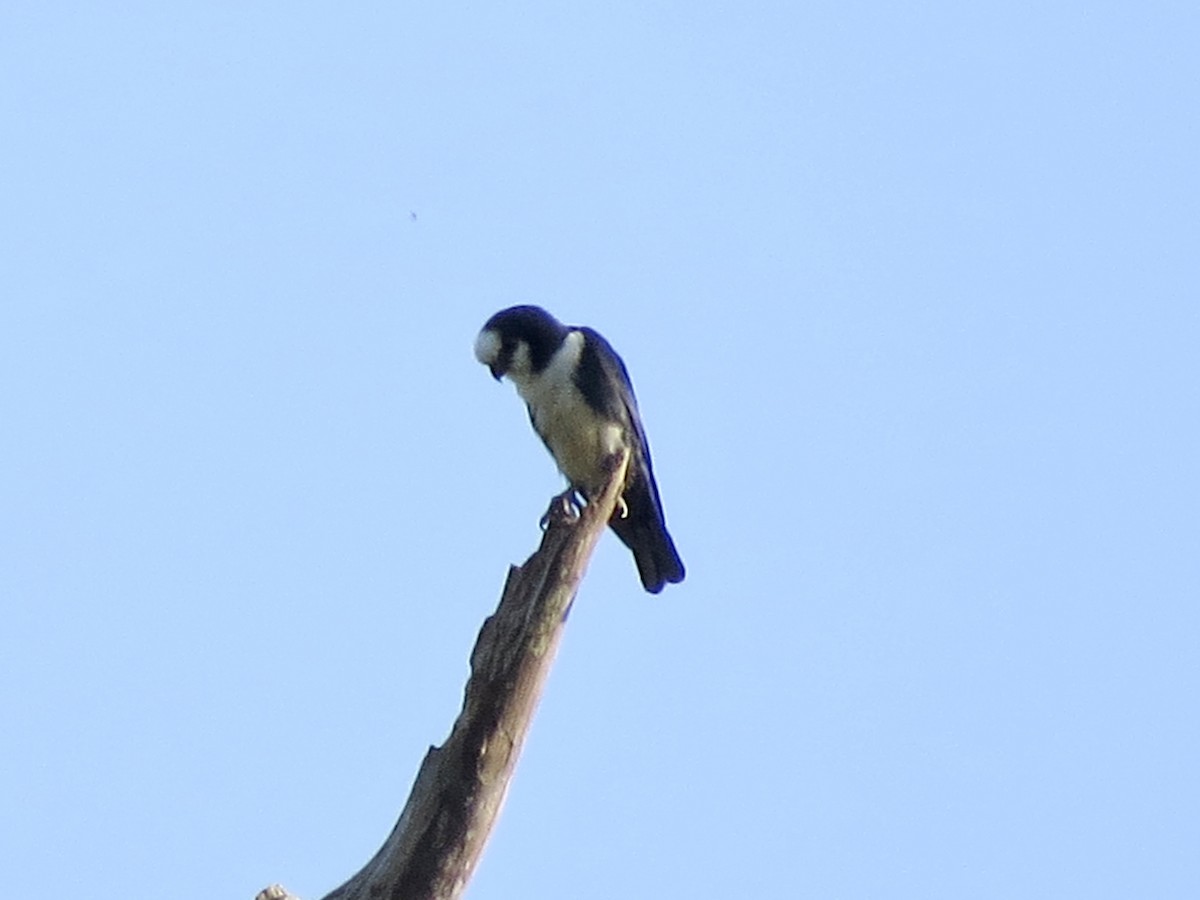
x: 520, y: 364
x: 488, y: 348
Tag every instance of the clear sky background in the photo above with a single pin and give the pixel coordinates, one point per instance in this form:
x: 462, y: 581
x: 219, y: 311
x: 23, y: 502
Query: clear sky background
x: 911, y: 298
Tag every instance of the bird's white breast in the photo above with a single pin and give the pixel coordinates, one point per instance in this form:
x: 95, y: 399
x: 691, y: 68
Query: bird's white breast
x: 578, y: 437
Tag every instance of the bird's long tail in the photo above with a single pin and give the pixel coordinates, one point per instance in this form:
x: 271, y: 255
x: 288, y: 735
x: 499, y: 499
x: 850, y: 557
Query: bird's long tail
x: 643, y: 531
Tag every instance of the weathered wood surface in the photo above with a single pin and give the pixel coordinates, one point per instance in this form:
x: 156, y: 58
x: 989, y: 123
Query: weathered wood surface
x: 437, y: 842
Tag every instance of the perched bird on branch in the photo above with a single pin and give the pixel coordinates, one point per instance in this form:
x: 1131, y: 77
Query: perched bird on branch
x: 582, y: 406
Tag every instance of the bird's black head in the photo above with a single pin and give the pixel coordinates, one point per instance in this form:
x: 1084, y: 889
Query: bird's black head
x: 519, y: 338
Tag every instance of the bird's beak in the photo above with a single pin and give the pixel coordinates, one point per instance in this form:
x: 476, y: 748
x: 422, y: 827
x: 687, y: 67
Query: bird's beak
x: 496, y: 370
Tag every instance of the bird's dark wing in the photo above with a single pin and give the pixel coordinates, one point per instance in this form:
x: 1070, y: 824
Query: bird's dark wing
x: 604, y: 382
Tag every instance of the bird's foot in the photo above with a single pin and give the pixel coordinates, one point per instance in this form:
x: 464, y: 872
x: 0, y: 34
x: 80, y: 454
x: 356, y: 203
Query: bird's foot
x: 612, y: 463
x: 564, y: 507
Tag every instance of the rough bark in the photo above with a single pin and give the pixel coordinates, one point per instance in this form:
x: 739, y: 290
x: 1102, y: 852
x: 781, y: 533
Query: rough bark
x: 460, y: 787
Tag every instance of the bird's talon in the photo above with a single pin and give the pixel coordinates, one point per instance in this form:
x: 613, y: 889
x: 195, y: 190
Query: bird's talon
x: 622, y: 508
x: 564, y: 507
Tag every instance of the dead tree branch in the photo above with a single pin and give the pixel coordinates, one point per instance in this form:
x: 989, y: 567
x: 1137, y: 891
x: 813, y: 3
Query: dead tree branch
x: 460, y: 787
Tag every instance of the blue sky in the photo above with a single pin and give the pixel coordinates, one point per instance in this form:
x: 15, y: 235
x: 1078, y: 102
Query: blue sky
x: 909, y: 294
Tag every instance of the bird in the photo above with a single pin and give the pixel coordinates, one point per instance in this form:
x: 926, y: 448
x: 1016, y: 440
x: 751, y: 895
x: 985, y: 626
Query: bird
x: 582, y: 406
